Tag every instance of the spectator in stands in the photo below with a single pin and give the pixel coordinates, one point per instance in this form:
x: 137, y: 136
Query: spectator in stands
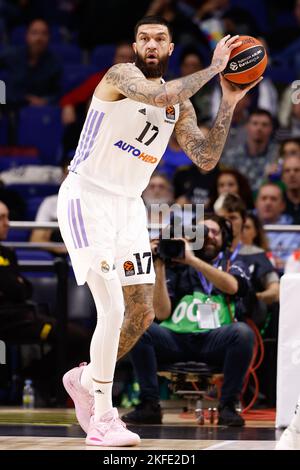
x: 190, y: 62
x: 173, y: 158
x: 20, y: 321
x: 192, y: 185
x: 47, y: 212
x: 180, y: 336
x: 185, y: 31
x: 231, y: 181
x: 33, y: 71
x: 208, y: 17
x: 74, y: 103
x: 290, y: 148
x: 14, y: 202
x: 253, y: 232
x: 289, y: 112
x: 291, y: 179
x: 258, y: 151
x: 236, y: 20
x: 159, y: 191
x: 264, y: 279
x: 270, y: 207
x: 107, y: 22
x: 286, y: 33
x: 293, y: 120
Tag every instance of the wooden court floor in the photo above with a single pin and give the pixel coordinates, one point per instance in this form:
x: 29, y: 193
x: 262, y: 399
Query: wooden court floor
x: 57, y: 429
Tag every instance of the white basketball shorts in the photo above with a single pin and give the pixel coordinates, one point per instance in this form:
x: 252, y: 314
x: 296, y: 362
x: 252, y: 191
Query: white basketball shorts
x: 104, y: 232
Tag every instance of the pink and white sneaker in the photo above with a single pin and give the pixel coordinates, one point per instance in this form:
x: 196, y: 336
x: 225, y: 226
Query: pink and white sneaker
x: 110, y: 431
x: 83, y: 401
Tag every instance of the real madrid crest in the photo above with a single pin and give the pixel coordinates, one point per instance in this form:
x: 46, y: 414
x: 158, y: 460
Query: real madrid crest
x: 105, y: 267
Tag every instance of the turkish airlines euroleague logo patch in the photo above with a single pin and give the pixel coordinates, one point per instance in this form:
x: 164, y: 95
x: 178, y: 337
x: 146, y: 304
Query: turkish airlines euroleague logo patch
x: 129, y: 268
x: 170, y: 113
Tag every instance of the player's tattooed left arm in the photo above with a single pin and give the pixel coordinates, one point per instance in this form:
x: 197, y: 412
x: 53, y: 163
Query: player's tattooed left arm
x: 205, y: 152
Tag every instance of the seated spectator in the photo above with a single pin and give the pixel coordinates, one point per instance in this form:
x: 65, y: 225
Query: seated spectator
x: 290, y: 148
x: 264, y: 279
x: 199, y: 284
x: 253, y: 233
x: 20, y: 322
x: 191, y: 62
x: 47, y: 212
x: 270, y: 207
x: 82, y: 93
x: 74, y: 103
x: 291, y: 178
x: 259, y: 150
x: 191, y: 184
x: 289, y: 114
x: 185, y: 31
x: 231, y: 182
x: 284, y: 35
x: 33, y: 70
x: 159, y: 191
x: 173, y: 158
x: 15, y: 203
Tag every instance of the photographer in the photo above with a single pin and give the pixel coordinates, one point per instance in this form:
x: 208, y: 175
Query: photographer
x: 196, y: 300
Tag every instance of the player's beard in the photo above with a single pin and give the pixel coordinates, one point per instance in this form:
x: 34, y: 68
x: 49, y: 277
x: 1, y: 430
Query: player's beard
x: 152, y: 70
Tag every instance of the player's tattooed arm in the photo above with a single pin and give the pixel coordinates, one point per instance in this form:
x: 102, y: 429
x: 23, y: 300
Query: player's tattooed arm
x: 205, y: 152
x: 129, y: 81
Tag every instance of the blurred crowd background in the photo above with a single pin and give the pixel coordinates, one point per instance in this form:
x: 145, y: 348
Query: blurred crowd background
x: 52, y: 56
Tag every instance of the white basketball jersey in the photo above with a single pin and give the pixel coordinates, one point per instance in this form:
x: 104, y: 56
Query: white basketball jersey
x: 121, y: 144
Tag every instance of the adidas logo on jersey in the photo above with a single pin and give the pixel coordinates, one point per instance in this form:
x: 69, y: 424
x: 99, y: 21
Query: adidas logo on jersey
x: 143, y: 111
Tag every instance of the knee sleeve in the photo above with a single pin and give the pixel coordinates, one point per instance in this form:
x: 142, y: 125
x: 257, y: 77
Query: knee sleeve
x: 108, y: 297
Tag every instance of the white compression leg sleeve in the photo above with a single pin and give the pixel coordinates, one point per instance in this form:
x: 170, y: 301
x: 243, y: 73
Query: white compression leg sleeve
x: 108, y: 297
x: 295, y: 423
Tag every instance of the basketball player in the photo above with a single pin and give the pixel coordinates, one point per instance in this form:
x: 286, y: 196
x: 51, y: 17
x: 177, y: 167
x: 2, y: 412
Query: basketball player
x: 290, y: 438
x: 101, y: 214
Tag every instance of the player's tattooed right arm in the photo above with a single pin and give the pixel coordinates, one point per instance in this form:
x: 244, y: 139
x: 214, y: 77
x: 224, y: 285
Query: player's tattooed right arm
x: 129, y: 81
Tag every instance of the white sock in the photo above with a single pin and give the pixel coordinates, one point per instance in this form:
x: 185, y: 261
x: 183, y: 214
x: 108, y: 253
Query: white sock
x: 108, y: 297
x: 295, y: 423
x: 103, y: 398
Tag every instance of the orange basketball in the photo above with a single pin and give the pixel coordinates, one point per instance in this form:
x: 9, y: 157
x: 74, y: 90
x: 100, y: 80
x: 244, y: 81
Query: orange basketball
x: 247, y: 62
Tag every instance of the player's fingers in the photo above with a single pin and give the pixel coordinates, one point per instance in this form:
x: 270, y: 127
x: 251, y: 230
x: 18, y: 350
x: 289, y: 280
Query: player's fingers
x: 224, y: 39
x: 233, y: 46
x: 232, y: 40
x: 253, y: 84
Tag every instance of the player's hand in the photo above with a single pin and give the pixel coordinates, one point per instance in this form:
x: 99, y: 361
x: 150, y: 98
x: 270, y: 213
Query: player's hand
x: 189, y: 256
x: 223, y: 50
x: 233, y: 93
